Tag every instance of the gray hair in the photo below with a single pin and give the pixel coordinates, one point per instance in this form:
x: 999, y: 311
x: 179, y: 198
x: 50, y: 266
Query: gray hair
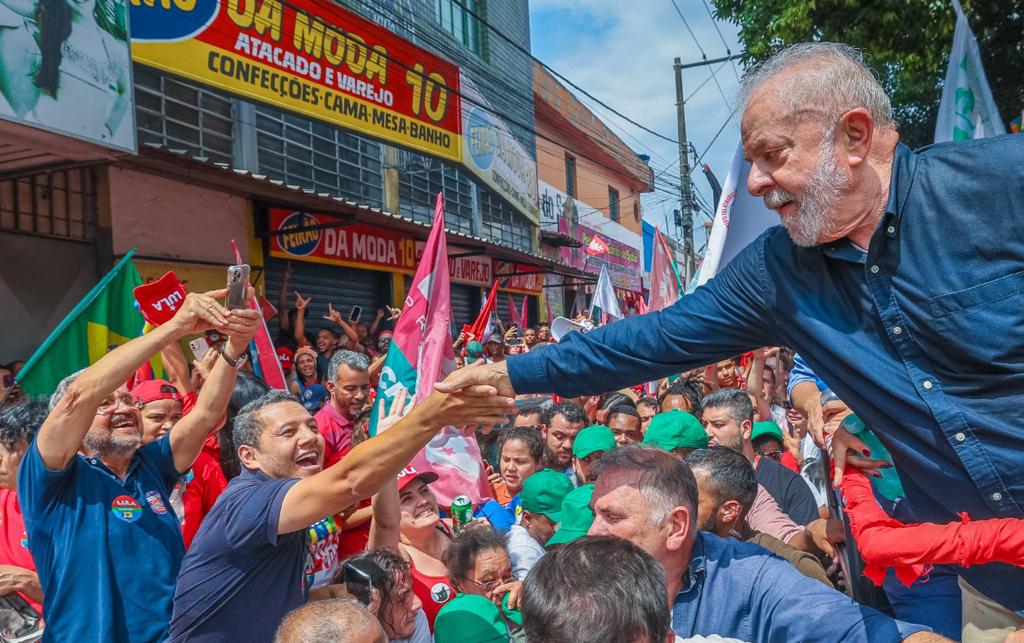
x: 247, y: 426
x: 355, y: 361
x: 735, y: 401
x: 729, y: 475
x: 833, y: 78
x: 663, y: 480
x: 62, y: 388
x: 335, y: 619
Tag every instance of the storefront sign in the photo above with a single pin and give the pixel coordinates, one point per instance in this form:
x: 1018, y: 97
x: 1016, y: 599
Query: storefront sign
x: 89, y: 94
x: 471, y: 271
x: 493, y: 154
x: 527, y: 284
x: 310, y: 57
x: 359, y: 246
x: 623, y: 261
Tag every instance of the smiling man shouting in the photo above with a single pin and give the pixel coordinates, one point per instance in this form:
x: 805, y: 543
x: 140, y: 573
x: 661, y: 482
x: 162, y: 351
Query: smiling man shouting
x: 244, y: 571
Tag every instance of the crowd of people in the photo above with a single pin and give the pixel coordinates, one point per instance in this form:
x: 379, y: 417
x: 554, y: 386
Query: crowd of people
x: 644, y: 486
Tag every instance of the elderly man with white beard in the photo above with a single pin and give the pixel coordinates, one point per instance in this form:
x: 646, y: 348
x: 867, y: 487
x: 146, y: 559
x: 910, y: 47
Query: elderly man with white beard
x: 898, y: 275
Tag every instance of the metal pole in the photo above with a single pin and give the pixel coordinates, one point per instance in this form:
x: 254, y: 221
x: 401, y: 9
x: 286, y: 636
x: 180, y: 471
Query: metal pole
x: 684, y: 178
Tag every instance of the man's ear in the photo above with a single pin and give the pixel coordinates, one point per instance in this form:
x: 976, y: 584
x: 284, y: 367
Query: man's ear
x: 247, y: 456
x: 729, y: 513
x: 856, y: 129
x: 679, y: 528
x: 745, y: 429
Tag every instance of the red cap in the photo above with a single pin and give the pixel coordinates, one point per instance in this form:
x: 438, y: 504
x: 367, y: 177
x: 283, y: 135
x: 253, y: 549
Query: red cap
x: 285, y: 356
x: 153, y: 390
x: 408, y: 474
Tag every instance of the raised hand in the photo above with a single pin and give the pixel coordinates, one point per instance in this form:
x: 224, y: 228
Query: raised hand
x: 300, y: 302
x: 201, y: 312
x: 333, y: 315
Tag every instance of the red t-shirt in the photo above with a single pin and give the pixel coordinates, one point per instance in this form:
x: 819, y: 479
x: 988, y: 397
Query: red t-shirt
x: 13, y: 539
x: 337, y: 432
x: 203, y: 484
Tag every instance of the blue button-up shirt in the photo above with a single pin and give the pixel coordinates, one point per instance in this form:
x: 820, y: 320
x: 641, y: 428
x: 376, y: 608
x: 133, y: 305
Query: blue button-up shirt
x: 923, y: 335
x: 740, y: 590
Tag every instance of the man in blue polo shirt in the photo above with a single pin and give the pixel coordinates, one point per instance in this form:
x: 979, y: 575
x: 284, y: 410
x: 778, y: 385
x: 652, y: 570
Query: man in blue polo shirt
x: 97, y: 511
x: 899, y: 277
x: 723, y: 586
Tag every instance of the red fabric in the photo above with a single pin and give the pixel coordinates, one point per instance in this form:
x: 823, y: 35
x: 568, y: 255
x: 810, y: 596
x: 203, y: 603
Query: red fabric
x: 337, y: 431
x: 201, y: 492
x: 13, y: 539
x: 789, y: 461
x: 911, y: 549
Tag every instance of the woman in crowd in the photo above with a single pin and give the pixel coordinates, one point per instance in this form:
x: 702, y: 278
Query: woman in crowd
x: 520, y: 452
x: 478, y: 564
x: 382, y: 580
x: 309, y: 380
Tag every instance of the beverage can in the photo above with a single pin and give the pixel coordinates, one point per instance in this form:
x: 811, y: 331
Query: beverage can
x: 462, y: 512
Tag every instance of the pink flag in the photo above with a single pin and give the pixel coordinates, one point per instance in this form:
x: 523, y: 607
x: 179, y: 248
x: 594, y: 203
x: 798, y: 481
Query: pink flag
x: 665, y: 285
x: 425, y: 356
x: 513, y: 314
x: 524, y: 318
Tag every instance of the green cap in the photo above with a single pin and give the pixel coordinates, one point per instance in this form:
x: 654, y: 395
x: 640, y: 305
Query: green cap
x: 675, y: 430
x: 543, y: 493
x: 469, y: 617
x: 576, y: 516
x: 766, y: 428
x: 592, y: 439
x: 474, y: 349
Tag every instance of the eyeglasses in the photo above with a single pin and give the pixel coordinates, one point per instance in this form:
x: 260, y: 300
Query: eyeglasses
x: 110, y: 405
x: 489, y: 586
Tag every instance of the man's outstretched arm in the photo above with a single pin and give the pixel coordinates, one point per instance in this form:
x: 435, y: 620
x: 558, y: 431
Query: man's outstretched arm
x: 723, y: 318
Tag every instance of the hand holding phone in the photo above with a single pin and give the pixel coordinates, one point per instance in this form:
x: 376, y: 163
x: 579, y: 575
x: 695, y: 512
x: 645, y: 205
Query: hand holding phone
x: 353, y: 316
x: 238, y: 282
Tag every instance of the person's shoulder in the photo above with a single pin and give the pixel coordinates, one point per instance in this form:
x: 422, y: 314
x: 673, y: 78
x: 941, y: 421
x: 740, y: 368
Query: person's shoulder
x: 990, y: 151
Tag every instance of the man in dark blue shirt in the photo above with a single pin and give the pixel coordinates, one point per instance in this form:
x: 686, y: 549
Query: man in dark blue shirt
x: 97, y: 506
x: 900, y: 281
x: 244, y: 571
x: 722, y: 586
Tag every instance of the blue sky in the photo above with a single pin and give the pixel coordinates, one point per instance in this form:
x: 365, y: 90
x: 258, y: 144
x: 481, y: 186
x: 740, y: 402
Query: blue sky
x: 621, y: 52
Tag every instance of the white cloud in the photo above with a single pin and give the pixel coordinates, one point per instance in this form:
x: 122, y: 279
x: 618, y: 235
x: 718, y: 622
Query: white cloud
x: 622, y: 52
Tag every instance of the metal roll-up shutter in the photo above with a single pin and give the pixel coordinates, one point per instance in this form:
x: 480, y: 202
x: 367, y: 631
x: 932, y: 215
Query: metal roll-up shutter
x: 335, y: 285
x: 465, y: 304
x: 502, y: 307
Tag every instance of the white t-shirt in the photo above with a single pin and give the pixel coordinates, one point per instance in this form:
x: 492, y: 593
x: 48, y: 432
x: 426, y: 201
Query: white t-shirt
x: 523, y: 551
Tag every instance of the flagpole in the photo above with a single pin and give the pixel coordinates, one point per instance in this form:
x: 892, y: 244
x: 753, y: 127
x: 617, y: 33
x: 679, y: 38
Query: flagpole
x: 75, y: 312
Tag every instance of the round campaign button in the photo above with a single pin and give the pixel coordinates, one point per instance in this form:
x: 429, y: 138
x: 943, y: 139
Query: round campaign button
x: 126, y: 508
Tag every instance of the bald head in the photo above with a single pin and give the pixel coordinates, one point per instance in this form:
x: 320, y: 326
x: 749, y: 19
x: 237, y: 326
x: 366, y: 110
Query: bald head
x: 825, y: 79
x: 336, y: 620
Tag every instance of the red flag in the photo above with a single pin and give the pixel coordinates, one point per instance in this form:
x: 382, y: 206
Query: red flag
x: 596, y: 246
x: 265, y: 361
x: 513, y: 314
x: 268, y: 309
x: 479, y: 327
x: 524, y: 318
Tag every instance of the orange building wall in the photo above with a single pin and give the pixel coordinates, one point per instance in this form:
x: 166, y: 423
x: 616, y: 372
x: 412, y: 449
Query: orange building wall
x: 592, y: 179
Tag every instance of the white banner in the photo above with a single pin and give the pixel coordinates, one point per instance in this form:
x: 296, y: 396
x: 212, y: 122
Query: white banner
x: 967, y: 109
x: 740, y: 218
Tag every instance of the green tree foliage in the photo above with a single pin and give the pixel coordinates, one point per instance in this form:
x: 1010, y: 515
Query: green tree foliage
x: 906, y: 42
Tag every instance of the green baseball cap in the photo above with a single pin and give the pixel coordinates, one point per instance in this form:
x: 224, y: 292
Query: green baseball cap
x: 766, y: 428
x: 576, y: 516
x: 592, y: 439
x: 544, y: 491
x: 469, y: 617
x: 474, y: 349
x: 675, y: 430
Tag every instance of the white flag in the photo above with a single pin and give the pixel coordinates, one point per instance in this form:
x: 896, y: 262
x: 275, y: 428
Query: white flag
x: 604, y: 295
x: 740, y: 218
x: 967, y: 109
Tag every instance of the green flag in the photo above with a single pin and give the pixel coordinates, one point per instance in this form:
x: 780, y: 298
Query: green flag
x: 106, y: 318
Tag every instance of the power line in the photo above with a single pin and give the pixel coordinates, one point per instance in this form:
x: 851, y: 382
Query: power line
x: 721, y: 37
x: 699, y: 48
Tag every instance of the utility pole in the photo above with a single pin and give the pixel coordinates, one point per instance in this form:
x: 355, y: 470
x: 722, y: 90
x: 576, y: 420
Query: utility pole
x: 684, y: 177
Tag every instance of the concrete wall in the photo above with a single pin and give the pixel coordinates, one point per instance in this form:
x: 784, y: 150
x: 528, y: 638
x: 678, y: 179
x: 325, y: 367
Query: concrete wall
x: 41, y: 280
x: 167, y: 218
x: 592, y: 179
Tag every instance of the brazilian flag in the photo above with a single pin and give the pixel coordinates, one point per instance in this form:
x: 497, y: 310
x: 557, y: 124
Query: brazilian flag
x: 106, y: 318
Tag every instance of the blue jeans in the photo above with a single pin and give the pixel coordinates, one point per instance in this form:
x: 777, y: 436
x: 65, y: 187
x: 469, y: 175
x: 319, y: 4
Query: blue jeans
x: 932, y: 600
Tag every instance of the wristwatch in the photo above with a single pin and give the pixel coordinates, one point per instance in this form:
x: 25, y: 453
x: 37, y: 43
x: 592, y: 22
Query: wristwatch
x: 236, y: 363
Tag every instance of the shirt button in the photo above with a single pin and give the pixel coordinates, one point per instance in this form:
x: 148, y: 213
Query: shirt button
x: 927, y: 384
x: 891, y: 229
x: 997, y: 496
x: 874, y: 270
x: 960, y: 437
x: 897, y: 330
